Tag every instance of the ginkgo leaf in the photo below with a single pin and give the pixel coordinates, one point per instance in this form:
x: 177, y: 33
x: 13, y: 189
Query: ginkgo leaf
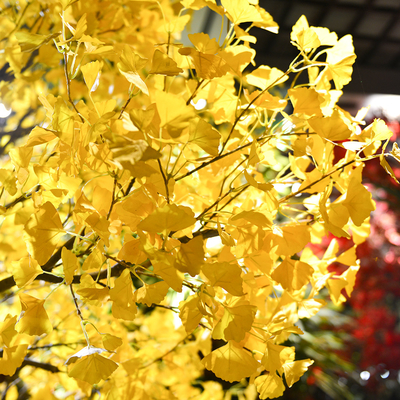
x: 94, y: 260
x: 225, y: 275
x: 204, y: 43
x: 294, y: 370
x: 358, y: 202
x: 86, y: 351
x: 231, y: 362
x: 240, y: 11
x: 63, y: 122
x: 174, y: 113
x: 308, y: 308
x: 33, y: 319
x: 292, y: 275
x: 395, y: 152
x: 91, y: 74
x: 12, y: 358
x: 290, y: 239
x: 44, y: 231
x: 332, y: 128
x: 132, y: 252
x: 164, y: 65
x: 25, y: 271
x: 129, y: 65
x: 306, y: 100
x: 170, y: 274
x: 7, y: 330
x: 124, y: 306
x: 190, y: 256
x: 168, y: 218
x: 100, y: 225
x: 189, y: 313
x: 70, y: 264
x: 204, y: 136
x: 30, y: 42
x: 208, y: 66
x: 111, y: 342
x: 8, y: 181
x: 269, y: 386
x: 340, y: 59
x: 152, y: 294
x: 92, y: 368
x: 235, y: 323
x: 275, y: 356
x: 265, y: 77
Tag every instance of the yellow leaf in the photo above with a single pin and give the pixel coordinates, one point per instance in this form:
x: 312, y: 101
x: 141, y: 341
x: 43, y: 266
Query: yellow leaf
x: 275, y: 356
x: 70, y: 264
x: 174, y: 113
x: 30, y: 42
x: 294, y: 370
x: 129, y: 64
x: 34, y: 319
x: 12, y: 358
x: 189, y: 313
x: 169, y: 273
x: 225, y: 275
x: 21, y: 156
x: 164, y: 65
x: 332, y: 128
x: 90, y: 292
x: 190, y: 256
x: 235, y: 323
x: 131, y: 252
x: 267, y: 21
x: 8, y: 180
x: 25, y: 271
x: 204, y: 135
x: 269, y: 386
x: 292, y: 275
x: 231, y: 362
x: 239, y: 11
x: 168, y: 218
x: 63, y: 122
x: 124, y: 306
x: 237, y: 57
x: 111, y: 342
x: 306, y: 101
x: 290, y: 239
x: 44, y: 231
x: 92, y: 368
x: 100, y: 225
x: 395, y: 152
x: 265, y: 77
x: 94, y: 260
x: 204, y: 43
x: 350, y: 276
x: 7, y: 330
x: 91, y: 73
x: 358, y: 202
x: 340, y: 59
x: 152, y: 294
x: 308, y: 308
x: 208, y: 66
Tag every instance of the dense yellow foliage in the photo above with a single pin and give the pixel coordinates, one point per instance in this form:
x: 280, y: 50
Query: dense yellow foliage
x: 163, y: 200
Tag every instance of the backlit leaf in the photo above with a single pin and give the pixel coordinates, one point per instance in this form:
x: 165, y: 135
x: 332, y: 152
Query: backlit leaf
x: 231, y: 362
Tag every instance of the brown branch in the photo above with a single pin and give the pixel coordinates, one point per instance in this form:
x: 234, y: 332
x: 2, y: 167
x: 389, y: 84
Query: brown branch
x: 165, y: 180
x: 45, y: 366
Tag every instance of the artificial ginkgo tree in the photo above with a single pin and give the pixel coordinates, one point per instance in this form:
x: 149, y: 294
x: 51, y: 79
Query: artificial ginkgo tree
x: 157, y: 201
